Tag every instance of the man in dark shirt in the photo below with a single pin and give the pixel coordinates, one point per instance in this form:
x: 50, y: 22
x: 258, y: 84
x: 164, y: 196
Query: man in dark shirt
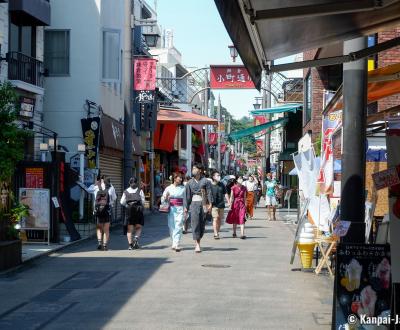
x: 219, y: 194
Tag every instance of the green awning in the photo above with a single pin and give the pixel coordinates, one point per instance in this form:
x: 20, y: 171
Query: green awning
x: 290, y: 107
x: 255, y: 129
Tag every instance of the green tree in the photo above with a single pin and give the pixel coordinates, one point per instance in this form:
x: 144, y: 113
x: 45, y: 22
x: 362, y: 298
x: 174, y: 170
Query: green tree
x: 12, y: 140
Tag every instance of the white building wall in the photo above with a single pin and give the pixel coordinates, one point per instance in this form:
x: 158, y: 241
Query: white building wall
x: 3, y: 39
x: 66, y: 96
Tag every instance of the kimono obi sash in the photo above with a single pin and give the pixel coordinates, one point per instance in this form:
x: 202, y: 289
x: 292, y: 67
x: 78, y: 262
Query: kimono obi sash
x: 176, y: 201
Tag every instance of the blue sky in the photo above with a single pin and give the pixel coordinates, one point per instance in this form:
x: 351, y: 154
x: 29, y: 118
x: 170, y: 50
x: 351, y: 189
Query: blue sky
x: 200, y: 36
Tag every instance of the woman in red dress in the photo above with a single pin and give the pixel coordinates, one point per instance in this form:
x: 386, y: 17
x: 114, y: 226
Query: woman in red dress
x: 237, y: 213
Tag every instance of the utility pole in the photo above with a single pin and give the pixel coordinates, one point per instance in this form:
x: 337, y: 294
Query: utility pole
x: 266, y: 103
x: 219, y: 134
x: 352, y: 205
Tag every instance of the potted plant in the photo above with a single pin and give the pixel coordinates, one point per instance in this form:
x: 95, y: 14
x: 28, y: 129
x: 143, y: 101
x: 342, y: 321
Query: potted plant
x: 12, y: 140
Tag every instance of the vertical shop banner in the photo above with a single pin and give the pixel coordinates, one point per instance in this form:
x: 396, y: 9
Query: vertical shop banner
x: 330, y: 124
x: 393, y: 158
x: 363, y: 285
x: 212, y: 139
x: 259, y: 120
x: 230, y: 77
x: 144, y: 74
x: 223, y: 148
x: 91, y: 137
x: 260, y: 146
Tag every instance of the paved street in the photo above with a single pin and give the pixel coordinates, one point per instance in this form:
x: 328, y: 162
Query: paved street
x: 253, y: 286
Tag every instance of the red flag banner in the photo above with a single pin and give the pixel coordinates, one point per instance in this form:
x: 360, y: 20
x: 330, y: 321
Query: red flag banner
x: 260, y: 146
x: 259, y: 120
x: 212, y: 139
x: 144, y: 74
x: 230, y: 77
x: 223, y: 148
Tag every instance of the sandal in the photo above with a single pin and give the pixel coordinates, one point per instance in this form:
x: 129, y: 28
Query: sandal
x: 234, y: 235
x: 243, y: 237
x: 216, y: 236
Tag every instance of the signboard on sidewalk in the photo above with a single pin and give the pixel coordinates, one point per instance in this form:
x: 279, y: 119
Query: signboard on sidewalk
x: 363, y: 284
x: 230, y: 77
x: 38, y: 201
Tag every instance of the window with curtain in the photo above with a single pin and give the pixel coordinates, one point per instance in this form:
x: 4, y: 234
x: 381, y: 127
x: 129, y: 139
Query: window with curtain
x: 56, y: 52
x: 307, y: 99
x: 111, y: 55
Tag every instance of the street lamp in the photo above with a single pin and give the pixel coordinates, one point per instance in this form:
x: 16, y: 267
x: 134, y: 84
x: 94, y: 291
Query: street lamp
x: 151, y: 39
x: 44, y: 148
x: 234, y: 52
x: 81, y: 151
x: 257, y: 105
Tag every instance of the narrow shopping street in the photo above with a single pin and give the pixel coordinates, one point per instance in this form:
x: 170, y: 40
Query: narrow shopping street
x: 249, y: 284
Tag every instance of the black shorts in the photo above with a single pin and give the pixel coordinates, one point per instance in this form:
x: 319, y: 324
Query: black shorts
x: 101, y: 220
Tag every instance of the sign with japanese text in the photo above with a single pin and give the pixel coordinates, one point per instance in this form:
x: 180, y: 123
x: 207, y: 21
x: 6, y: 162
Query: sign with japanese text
x: 38, y: 201
x: 212, y: 139
x: 260, y: 146
x: 34, y: 177
x: 148, y: 117
x: 386, y: 178
x: 230, y: 77
x: 144, y: 96
x: 91, y: 136
x: 27, y: 106
x: 144, y: 74
x: 330, y: 124
x: 259, y: 120
x: 363, y: 284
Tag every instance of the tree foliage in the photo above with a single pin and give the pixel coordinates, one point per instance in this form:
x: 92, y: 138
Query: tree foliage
x: 12, y: 138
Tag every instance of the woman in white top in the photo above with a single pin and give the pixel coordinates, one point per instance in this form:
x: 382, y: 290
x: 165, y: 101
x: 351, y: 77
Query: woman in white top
x: 102, y: 217
x: 133, y: 201
x: 174, y: 195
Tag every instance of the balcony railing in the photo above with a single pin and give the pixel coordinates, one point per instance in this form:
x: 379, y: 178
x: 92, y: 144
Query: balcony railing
x: 25, y: 68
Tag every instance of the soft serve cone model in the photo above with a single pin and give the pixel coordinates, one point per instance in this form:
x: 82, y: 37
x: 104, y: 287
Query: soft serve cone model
x: 306, y: 245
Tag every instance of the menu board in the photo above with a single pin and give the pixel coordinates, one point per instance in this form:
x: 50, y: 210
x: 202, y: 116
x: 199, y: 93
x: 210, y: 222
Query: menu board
x: 34, y: 177
x: 38, y: 201
x: 363, y: 284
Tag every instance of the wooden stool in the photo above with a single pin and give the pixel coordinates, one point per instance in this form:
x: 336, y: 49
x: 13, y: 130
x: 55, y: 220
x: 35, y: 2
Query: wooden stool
x: 326, y: 252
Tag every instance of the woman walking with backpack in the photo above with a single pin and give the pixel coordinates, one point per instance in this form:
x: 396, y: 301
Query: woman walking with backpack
x: 104, y: 197
x: 173, y: 195
x: 133, y: 201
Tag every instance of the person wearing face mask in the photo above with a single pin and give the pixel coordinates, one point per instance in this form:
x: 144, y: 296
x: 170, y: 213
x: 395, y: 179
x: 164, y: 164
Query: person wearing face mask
x: 237, y: 213
x: 133, y: 200
x: 174, y: 195
x: 219, y: 193
x: 251, y: 186
x: 198, y: 201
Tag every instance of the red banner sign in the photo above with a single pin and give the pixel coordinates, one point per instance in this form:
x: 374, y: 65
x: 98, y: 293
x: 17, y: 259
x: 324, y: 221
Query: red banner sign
x: 212, y: 139
x: 34, y: 177
x: 144, y: 74
x: 223, y: 148
x: 260, y: 146
x: 230, y: 77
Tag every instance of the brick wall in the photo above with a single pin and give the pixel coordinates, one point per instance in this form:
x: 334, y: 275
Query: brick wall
x: 386, y: 58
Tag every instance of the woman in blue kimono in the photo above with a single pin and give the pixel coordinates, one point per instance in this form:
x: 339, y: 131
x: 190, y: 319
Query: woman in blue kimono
x: 174, y: 195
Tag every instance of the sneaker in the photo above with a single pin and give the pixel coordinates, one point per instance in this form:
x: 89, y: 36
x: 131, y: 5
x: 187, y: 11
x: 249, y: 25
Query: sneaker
x: 177, y: 249
x: 136, y: 245
x: 99, y: 246
x: 105, y: 248
x: 130, y: 247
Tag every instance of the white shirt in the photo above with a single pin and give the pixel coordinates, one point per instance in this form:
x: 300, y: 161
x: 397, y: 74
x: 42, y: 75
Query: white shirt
x: 132, y: 191
x: 94, y: 189
x: 250, y: 186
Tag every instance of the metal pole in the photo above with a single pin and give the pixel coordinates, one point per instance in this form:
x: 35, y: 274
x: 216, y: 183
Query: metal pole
x: 205, y: 109
x: 219, y: 134
x: 128, y: 120
x: 152, y: 169
x: 354, y: 137
x: 267, y: 104
x: 81, y: 174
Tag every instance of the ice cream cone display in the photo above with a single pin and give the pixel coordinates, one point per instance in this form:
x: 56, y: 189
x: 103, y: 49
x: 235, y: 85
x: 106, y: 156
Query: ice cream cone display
x: 306, y: 254
x: 306, y: 245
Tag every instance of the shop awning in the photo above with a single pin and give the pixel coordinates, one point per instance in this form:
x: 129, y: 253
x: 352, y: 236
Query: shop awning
x: 255, y: 129
x: 177, y: 117
x: 267, y: 30
x: 382, y: 82
x: 292, y: 107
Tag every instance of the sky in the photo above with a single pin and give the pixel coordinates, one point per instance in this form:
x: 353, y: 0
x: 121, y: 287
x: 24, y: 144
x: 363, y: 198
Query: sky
x: 201, y: 37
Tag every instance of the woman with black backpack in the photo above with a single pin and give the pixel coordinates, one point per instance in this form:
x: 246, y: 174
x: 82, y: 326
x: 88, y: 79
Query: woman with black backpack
x: 104, y: 197
x: 133, y: 201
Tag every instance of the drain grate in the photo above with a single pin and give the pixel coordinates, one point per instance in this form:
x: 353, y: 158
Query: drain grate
x: 216, y: 266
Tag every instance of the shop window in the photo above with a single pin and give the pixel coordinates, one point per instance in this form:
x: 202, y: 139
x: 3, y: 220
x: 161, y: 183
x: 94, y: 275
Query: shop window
x: 307, y: 98
x: 56, y: 52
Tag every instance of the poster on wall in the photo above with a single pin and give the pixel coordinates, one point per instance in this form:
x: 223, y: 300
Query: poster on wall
x: 330, y: 124
x: 363, y: 284
x: 393, y: 159
x: 38, y: 201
